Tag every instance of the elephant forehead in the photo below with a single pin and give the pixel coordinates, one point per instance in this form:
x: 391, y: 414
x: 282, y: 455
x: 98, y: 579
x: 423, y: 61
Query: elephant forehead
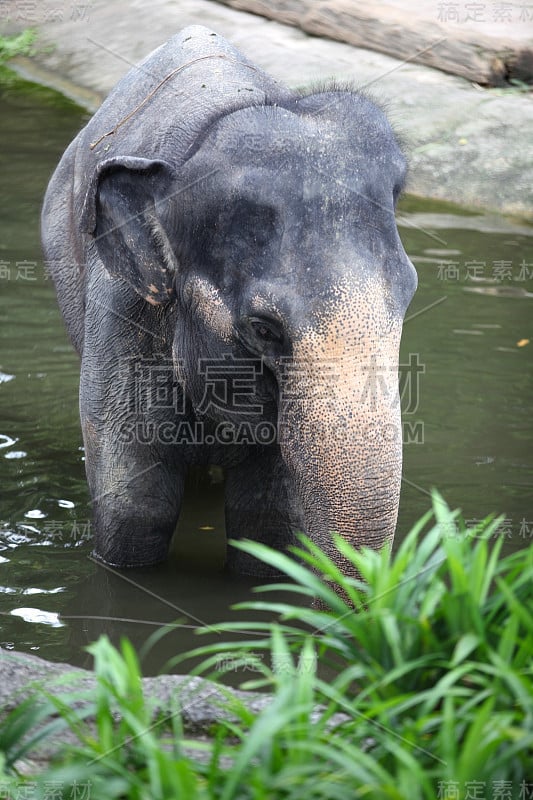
x: 263, y: 129
x: 305, y: 154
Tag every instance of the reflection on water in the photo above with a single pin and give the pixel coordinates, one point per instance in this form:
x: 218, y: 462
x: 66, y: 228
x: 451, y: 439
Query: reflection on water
x: 500, y: 291
x: 466, y: 357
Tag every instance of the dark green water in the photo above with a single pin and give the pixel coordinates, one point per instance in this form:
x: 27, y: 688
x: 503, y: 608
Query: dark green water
x: 467, y: 422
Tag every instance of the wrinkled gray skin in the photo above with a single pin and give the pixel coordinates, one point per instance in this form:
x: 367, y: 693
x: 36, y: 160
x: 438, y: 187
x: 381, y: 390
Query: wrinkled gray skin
x: 229, y: 215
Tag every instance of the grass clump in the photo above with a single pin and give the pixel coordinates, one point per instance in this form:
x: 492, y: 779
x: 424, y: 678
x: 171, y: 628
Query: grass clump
x: 416, y: 682
x: 20, y: 44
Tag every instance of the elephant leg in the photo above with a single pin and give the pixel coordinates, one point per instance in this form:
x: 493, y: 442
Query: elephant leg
x: 135, y: 475
x: 260, y: 506
x: 136, y: 493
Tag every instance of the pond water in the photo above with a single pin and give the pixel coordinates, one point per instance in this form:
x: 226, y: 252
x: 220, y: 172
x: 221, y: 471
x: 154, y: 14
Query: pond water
x: 466, y: 373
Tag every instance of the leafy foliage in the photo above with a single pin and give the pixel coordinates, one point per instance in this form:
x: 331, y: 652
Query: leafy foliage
x: 19, y: 45
x: 416, y: 674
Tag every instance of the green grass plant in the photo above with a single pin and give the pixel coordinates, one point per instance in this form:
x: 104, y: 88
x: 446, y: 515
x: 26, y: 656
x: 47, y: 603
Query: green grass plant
x: 20, y: 44
x: 412, y: 681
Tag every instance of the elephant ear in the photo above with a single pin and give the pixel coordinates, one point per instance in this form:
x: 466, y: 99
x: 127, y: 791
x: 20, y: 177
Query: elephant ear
x: 125, y: 211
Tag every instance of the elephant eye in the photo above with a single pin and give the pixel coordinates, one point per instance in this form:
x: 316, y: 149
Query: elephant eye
x: 396, y: 192
x: 266, y: 331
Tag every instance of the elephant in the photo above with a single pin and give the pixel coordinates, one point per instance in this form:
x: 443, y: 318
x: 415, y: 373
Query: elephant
x: 227, y: 263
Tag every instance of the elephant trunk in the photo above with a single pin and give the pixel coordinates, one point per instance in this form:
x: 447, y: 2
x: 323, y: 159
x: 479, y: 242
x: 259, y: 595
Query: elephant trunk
x: 360, y: 502
x: 340, y: 433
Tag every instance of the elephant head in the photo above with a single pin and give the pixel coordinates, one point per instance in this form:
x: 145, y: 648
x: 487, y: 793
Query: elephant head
x: 274, y: 238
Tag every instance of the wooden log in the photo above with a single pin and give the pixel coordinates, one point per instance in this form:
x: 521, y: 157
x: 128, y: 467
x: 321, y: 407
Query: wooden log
x: 488, y: 43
